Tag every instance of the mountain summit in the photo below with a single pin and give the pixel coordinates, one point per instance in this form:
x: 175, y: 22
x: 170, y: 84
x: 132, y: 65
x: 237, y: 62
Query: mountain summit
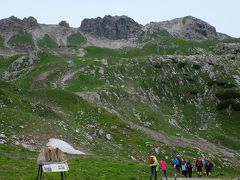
x: 13, y: 24
x: 186, y: 27
x: 111, y: 27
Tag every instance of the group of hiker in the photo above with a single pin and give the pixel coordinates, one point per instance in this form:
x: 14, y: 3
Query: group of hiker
x: 182, y: 167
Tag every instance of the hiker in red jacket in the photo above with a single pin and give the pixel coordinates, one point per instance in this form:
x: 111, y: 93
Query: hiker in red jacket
x: 199, y: 166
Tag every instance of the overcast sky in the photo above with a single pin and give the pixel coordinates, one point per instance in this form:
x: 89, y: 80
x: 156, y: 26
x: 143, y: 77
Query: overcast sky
x: 222, y: 14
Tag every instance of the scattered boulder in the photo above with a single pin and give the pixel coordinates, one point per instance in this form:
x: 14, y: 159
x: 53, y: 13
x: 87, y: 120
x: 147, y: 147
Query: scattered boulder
x: 133, y: 158
x: 109, y: 137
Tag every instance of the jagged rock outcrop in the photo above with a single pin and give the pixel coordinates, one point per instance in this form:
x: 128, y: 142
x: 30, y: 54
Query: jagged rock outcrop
x: 13, y: 24
x: 21, y: 65
x: 186, y: 27
x: 30, y: 23
x: 111, y: 27
x: 64, y: 24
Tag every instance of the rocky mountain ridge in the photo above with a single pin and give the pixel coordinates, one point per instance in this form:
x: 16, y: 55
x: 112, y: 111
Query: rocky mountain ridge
x: 109, y: 31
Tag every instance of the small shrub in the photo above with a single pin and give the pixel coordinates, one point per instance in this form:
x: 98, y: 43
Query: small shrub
x: 4, y: 100
x: 212, y: 64
x: 234, y: 103
x: 190, y: 79
x: 211, y: 83
x: 194, y: 92
x: 236, y: 106
x: 196, y: 66
x: 43, y: 111
x: 229, y: 85
x: 228, y: 94
x: 225, y: 104
x: 220, y: 83
x: 156, y: 65
x: 181, y: 64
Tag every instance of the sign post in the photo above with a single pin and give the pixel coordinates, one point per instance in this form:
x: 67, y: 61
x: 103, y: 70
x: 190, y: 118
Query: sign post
x: 53, y: 167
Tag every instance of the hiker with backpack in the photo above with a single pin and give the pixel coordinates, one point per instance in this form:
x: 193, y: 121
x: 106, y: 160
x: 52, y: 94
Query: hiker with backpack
x: 189, y: 168
x: 184, y: 168
x: 163, y: 165
x: 177, y: 165
x: 153, y: 166
x: 208, y: 167
x: 199, y: 166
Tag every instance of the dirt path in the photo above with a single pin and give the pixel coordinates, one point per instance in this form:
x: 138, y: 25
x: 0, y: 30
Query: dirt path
x: 67, y: 77
x: 201, y: 144
x: 41, y: 80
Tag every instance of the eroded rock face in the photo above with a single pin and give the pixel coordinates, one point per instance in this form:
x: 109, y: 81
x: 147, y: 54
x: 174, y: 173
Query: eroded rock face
x: 194, y: 28
x: 111, y: 27
x: 13, y: 24
x: 187, y: 27
x: 30, y: 23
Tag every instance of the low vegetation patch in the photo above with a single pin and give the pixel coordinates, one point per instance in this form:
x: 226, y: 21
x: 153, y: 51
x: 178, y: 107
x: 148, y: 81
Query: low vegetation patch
x: 47, y: 42
x: 76, y: 39
x: 228, y: 94
x: 22, y: 40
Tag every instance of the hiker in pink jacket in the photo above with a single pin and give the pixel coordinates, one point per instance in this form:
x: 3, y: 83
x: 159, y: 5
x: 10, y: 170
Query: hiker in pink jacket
x: 163, y: 165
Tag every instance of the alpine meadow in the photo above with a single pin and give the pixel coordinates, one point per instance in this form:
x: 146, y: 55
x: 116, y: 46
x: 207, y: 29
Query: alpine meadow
x: 116, y: 91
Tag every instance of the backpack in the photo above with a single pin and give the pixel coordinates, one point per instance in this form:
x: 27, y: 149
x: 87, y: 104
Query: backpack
x: 176, y: 162
x: 189, y: 165
x: 199, y: 162
x: 208, y: 164
x: 151, y: 160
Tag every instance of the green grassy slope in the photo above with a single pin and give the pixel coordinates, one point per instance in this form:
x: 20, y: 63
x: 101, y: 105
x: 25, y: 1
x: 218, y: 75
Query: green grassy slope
x: 76, y: 39
x: 47, y: 42
x: 22, y: 40
x: 21, y: 164
x: 82, y: 100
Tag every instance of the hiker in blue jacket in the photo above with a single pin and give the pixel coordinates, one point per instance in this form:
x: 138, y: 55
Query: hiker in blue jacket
x: 177, y: 165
